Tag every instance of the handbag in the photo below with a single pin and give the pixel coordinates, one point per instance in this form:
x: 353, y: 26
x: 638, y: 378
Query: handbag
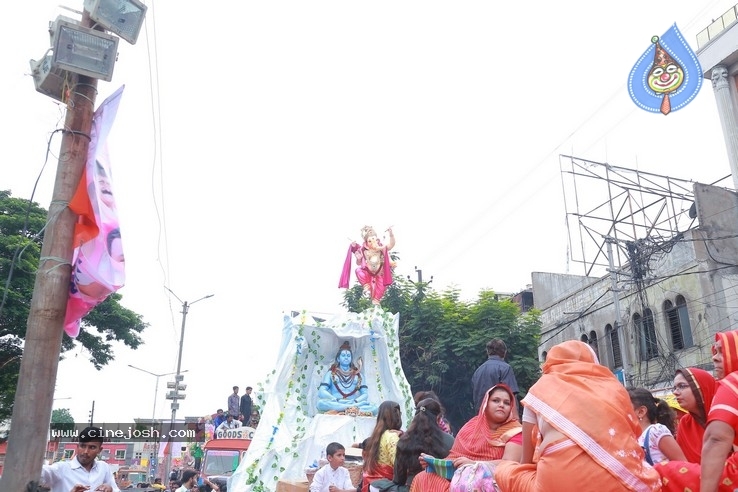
x: 474, y: 477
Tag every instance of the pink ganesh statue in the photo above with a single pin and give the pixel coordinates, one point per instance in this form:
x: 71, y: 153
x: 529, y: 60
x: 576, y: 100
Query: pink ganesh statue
x: 375, y: 268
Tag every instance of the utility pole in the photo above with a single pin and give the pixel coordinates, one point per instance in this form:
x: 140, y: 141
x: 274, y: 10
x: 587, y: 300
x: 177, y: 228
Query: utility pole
x: 40, y: 362
x: 92, y: 413
x: 619, y: 330
x: 178, y: 377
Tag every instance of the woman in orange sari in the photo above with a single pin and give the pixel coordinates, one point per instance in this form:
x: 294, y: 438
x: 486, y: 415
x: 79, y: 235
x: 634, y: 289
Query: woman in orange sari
x: 718, y: 470
x: 493, y: 434
x: 694, y: 390
x: 587, y: 430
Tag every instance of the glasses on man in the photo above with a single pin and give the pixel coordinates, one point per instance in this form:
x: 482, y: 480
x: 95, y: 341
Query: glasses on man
x: 678, y: 388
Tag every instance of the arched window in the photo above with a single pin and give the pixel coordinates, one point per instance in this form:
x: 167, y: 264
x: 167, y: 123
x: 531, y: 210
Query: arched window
x: 584, y: 338
x: 646, y: 334
x: 613, y: 345
x: 543, y: 356
x: 593, y: 343
x: 677, y: 321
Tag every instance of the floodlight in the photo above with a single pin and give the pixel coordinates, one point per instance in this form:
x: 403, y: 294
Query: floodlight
x: 83, y: 50
x: 51, y: 81
x: 121, y: 17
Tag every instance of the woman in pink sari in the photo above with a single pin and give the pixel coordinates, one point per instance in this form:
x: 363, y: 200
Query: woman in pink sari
x: 492, y: 435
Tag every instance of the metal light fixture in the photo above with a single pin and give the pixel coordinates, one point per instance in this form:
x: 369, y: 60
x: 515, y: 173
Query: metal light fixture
x: 50, y: 81
x: 121, y: 17
x: 82, y: 50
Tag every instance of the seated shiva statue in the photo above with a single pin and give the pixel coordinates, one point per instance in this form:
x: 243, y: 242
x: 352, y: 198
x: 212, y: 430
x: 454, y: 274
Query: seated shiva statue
x: 342, y: 389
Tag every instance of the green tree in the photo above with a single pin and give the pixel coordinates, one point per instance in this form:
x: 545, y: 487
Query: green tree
x: 21, y: 235
x: 61, y: 416
x: 442, y: 339
x: 61, y: 419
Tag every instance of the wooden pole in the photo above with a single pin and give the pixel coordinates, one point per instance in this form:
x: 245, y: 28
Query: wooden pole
x: 35, y: 391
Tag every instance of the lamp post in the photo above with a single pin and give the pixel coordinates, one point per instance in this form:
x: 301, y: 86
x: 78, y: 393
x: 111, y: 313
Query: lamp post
x: 178, y: 377
x: 156, y: 389
x: 152, y: 467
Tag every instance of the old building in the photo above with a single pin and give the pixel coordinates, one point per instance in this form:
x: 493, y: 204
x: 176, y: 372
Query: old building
x: 661, y: 309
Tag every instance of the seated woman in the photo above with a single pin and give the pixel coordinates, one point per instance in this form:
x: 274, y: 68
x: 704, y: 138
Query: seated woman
x: 718, y: 470
x: 343, y: 387
x: 694, y: 390
x: 492, y: 435
x: 423, y: 435
x: 656, y: 419
x: 443, y: 423
x: 380, y: 447
x: 585, y: 438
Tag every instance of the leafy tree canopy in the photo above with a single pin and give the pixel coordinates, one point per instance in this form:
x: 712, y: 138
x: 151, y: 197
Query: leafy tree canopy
x: 21, y: 235
x: 443, y: 339
x: 61, y: 416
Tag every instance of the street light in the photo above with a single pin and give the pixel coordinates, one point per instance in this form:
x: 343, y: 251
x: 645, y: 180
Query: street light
x: 156, y: 389
x: 152, y: 466
x: 174, y: 396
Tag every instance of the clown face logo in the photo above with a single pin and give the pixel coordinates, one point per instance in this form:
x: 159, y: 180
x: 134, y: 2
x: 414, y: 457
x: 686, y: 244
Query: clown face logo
x: 664, y: 79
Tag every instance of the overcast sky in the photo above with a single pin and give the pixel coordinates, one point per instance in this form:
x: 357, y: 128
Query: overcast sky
x: 255, y: 139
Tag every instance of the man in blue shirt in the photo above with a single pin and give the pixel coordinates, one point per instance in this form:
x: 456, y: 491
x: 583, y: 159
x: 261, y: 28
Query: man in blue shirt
x: 495, y: 370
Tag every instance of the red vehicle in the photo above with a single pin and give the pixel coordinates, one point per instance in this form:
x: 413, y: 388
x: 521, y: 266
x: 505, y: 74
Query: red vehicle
x: 223, y: 455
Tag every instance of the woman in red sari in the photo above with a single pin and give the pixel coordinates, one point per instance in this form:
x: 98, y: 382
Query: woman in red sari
x: 718, y: 470
x: 587, y: 430
x: 694, y: 390
x: 493, y: 434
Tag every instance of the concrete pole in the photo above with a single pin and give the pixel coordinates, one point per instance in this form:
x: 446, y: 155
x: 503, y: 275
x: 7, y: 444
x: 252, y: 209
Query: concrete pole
x: 728, y: 115
x: 619, y: 329
x: 178, y: 377
x: 35, y: 391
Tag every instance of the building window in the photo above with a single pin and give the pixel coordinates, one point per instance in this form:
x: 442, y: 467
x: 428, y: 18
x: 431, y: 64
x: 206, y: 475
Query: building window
x: 120, y: 454
x: 543, y: 356
x: 646, y: 334
x: 137, y: 455
x: 616, y: 356
x: 677, y: 319
x: 593, y: 343
x: 584, y: 338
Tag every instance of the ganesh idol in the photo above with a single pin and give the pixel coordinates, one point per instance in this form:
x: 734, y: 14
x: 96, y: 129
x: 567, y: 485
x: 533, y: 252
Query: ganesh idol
x: 374, y: 270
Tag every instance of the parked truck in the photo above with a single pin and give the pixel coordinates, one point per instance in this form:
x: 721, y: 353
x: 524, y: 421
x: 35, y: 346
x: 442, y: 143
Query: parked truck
x: 223, y: 454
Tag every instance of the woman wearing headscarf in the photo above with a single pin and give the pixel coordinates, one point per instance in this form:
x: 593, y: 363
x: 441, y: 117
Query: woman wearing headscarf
x: 694, y: 390
x: 493, y: 434
x: 718, y: 470
x: 586, y: 428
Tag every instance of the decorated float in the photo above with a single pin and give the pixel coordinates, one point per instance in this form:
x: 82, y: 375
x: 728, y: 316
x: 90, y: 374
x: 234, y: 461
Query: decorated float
x: 327, y: 383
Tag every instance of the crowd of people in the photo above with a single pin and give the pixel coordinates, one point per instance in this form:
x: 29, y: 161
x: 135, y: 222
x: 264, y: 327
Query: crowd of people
x: 579, y: 428
x: 578, y: 425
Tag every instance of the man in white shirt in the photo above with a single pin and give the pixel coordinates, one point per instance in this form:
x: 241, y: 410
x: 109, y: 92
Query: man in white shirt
x: 84, y: 472
x: 189, y: 480
x: 229, y: 423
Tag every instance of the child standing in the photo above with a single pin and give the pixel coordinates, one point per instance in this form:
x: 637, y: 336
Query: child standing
x: 333, y: 477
